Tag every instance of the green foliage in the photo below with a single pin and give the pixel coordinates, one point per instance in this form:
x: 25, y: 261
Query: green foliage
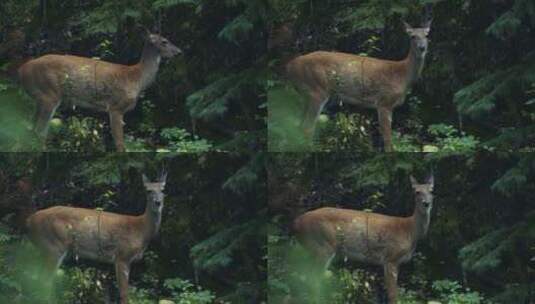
x: 345, y: 132
x: 77, y: 134
x: 508, y: 24
x: 405, y: 143
x: 218, y: 251
x: 222, y: 229
x: 489, y: 84
x: 499, y: 94
x: 105, y: 49
x: 8, y: 285
x: 491, y: 250
x: 184, y: 292
x: 491, y: 258
x: 213, y: 100
x: 516, y: 177
x: 451, y: 292
x: 250, y: 18
x: 159, y: 4
x: 110, y: 15
x: 79, y: 285
x: 285, y: 106
x: 16, y: 135
x: 140, y: 296
x: 449, y: 139
x: 248, y: 176
x: 201, y: 84
x: 178, y: 140
x: 355, y: 287
x: 294, y: 274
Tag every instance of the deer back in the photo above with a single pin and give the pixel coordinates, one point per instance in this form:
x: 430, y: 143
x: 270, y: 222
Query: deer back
x: 359, y: 80
x: 81, y: 81
x: 91, y: 234
x: 360, y: 236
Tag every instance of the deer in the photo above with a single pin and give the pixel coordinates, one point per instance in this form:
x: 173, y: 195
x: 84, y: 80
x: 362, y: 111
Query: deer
x: 366, y: 237
x: 97, y: 235
x: 92, y: 83
x: 358, y: 80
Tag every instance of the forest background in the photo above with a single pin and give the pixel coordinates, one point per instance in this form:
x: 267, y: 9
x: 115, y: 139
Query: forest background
x: 211, y: 244
x: 480, y: 247
x: 476, y: 91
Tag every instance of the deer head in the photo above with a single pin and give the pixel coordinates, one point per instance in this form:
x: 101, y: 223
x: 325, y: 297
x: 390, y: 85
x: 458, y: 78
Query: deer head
x: 419, y: 41
x: 418, y: 37
x: 164, y: 46
x: 155, y: 195
x: 423, y: 194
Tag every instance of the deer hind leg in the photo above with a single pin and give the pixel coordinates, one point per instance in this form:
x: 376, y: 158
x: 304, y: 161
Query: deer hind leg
x: 391, y: 282
x: 46, y: 107
x: 52, y: 261
x: 117, y: 125
x: 122, y: 272
x: 385, y: 126
x: 324, y: 255
x: 312, y: 110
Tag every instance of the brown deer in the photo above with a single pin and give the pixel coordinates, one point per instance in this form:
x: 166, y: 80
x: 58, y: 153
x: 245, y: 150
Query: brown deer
x: 96, y: 235
x: 91, y: 83
x: 368, y: 237
x: 362, y: 81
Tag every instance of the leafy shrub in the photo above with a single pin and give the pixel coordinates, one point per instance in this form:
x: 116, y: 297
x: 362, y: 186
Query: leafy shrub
x: 184, y: 292
x: 80, y: 285
x: 408, y: 297
x: 140, y: 296
x: 443, y: 138
x: 451, y: 292
x: 134, y: 144
x: 449, y: 139
x: 355, y: 286
x: 147, y: 125
x: 180, y: 140
x: 345, y: 132
x: 76, y: 134
x: 405, y: 143
x: 7, y: 284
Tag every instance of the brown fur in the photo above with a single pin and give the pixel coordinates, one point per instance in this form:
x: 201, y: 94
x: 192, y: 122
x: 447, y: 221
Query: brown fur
x: 96, y: 235
x: 363, y: 81
x: 367, y: 237
x: 91, y: 83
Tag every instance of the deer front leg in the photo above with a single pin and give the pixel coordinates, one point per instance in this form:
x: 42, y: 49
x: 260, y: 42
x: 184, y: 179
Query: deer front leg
x: 385, y: 127
x: 117, y: 124
x: 391, y: 282
x: 122, y: 271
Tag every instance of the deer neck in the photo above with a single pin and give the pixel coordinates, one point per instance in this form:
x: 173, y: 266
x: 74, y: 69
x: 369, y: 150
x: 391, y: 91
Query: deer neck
x: 148, y: 65
x: 151, y: 223
x: 420, y: 222
x: 414, y: 65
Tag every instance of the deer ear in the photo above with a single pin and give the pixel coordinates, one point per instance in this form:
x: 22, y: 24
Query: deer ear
x: 414, y: 182
x: 427, y: 26
x: 163, y: 178
x: 145, y: 179
x: 408, y: 27
x: 431, y: 180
